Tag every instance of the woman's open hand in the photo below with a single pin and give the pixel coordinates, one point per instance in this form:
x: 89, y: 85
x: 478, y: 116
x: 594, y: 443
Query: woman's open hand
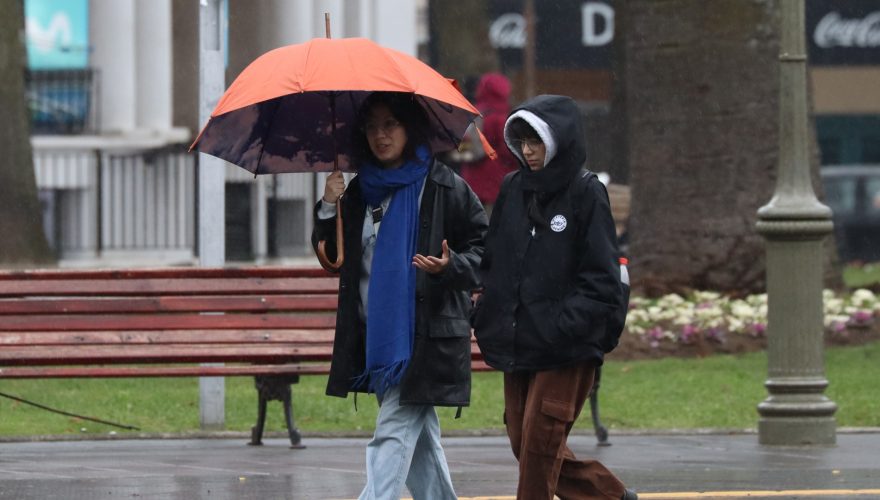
x: 431, y: 264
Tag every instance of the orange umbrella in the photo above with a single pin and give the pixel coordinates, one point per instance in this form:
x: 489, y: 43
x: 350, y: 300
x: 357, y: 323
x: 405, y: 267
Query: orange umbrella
x: 293, y: 109
x: 280, y: 113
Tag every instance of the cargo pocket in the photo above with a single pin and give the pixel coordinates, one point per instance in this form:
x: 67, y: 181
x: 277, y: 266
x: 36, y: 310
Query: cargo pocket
x: 550, y: 426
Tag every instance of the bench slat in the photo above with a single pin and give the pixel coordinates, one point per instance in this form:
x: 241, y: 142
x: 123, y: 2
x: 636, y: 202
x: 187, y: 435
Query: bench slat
x: 165, y: 371
x: 166, y: 273
x: 93, y: 305
x: 163, y: 322
x: 154, y: 287
x: 183, y: 353
x: 165, y: 337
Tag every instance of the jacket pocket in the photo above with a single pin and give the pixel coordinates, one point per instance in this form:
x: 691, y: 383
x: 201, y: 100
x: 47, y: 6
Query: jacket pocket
x: 440, y: 328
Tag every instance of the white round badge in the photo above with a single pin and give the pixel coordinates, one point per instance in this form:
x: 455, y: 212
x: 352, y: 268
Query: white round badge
x: 558, y: 223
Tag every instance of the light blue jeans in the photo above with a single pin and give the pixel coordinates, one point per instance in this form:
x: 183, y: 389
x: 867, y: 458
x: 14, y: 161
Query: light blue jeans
x: 406, y: 448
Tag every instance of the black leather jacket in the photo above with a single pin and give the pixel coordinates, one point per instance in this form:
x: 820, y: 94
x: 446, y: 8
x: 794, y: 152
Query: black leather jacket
x: 439, y: 372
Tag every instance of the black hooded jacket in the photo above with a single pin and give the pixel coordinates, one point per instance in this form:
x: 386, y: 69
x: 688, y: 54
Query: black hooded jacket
x: 551, y: 279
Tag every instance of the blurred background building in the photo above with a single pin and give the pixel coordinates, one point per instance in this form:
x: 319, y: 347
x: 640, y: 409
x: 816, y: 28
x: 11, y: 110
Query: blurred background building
x: 112, y: 86
x: 113, y: 94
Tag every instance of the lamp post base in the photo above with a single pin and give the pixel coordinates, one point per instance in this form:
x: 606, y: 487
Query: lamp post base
x: 800, y: 431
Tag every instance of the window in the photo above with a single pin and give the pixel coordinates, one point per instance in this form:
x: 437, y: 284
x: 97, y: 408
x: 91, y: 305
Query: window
x: 840, y: 195
x: 872, y: 196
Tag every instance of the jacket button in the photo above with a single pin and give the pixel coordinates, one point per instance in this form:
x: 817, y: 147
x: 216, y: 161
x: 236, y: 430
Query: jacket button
x: 514, y: 324
x: 420, y: 297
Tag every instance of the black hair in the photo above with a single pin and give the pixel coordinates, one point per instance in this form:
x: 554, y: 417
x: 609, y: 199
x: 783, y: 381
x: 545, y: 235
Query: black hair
x: 405, y: 108
x: 520, y: 129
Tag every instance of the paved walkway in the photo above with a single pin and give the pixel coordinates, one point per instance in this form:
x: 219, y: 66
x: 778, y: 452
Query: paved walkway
x: 660, y: 467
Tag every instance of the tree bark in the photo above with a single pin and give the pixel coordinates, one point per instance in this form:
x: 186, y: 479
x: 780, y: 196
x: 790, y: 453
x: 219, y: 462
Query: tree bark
x: 23, y: 242
x: 702, y: 87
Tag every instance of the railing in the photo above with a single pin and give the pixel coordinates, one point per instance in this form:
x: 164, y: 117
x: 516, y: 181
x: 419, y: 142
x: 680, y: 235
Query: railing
x: 63, y: 101
x: 101, y: 201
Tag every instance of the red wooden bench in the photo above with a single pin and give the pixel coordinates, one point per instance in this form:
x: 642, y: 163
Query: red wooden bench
x: 273, y: 323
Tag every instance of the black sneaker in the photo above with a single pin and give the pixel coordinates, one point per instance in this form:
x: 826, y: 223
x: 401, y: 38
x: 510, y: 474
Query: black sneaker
x: 629, y: 495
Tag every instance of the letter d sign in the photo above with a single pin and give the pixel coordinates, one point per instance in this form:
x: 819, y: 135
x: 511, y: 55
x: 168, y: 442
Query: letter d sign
x: 590, y: 11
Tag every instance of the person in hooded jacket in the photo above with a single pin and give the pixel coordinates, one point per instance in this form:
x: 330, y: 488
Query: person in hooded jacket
x: 483, y: 173
x: 551, y: 280
x: 413, y: 238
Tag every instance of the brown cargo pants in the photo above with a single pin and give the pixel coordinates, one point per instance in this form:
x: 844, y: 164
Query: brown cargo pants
x: 539, y: 411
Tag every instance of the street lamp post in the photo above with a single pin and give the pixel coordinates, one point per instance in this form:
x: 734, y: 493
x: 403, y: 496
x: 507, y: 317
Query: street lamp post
x: 211, y: 185
x: 794, y: 223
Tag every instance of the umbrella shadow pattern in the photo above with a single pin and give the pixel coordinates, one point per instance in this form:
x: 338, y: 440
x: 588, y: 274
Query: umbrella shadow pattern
x: 293, y: 109
x: 294, y: 133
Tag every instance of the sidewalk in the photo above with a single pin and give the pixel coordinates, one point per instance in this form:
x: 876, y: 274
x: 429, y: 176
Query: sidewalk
x: 665, y: 466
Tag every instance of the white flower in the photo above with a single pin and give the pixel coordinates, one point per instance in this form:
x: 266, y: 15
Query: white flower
x: 742, y: 309
x: 863, y: 298
x: 670, y: 300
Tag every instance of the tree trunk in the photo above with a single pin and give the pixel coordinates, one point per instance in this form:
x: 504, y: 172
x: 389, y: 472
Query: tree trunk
x: 460, y: 40
x: 21, y: 224
x: 702, y: 85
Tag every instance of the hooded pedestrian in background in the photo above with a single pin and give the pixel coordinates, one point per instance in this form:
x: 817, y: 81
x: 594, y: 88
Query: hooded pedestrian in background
x: 483, y: 173
x: 551, y: 285
x: 413, y: 235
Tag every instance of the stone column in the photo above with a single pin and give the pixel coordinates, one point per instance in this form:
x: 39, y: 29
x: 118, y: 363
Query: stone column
x: 153, y: 65
x: 112, y: 33
x: 794, y: 223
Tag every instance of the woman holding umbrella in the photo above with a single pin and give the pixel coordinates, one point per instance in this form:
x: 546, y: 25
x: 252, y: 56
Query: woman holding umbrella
x: 413, y: 239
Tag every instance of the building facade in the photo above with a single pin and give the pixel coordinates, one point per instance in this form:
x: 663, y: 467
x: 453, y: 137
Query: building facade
x: 113, y: 89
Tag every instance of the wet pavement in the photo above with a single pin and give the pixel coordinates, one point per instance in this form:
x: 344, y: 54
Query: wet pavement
x: 662, y: 466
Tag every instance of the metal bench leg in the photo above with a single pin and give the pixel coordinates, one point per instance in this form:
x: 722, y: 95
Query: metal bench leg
x: 292, y: 431
x: 275, y: 388
x: 257, y: 430
x: 601, y: 431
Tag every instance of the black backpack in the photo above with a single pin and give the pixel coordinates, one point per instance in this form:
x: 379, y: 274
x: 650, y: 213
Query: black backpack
x: 617, y: 320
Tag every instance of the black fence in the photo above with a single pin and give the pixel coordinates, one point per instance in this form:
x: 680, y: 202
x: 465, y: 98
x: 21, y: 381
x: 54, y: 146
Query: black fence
x: 62, y: 101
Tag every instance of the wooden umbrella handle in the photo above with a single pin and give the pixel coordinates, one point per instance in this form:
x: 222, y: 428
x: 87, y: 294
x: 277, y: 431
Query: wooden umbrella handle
x: 328, y: 266
x: 333, y: 267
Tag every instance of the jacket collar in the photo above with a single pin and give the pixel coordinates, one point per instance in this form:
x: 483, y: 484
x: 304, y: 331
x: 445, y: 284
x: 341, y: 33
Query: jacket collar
x: 442, y: 175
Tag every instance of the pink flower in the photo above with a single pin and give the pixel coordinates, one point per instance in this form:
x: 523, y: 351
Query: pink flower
x: 759, y: 329
x: 688, y: 333
x: 861, y: 317
x: 655, y: 333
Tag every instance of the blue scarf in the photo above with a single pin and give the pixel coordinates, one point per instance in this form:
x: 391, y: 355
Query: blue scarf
x: 391, y: 308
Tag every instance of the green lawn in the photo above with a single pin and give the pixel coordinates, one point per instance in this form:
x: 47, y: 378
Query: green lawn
x: 857, y: 276
x: 717, y: 392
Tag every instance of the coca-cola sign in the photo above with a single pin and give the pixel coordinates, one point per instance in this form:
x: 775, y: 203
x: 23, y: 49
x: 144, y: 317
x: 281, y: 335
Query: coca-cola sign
x: 834, y: 30
x: 843, y: 32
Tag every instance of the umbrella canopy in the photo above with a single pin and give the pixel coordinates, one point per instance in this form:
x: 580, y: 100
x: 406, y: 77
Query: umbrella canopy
x: 293, y: 108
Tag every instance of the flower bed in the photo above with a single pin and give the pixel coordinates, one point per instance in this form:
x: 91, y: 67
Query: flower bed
x: 706, y: 323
